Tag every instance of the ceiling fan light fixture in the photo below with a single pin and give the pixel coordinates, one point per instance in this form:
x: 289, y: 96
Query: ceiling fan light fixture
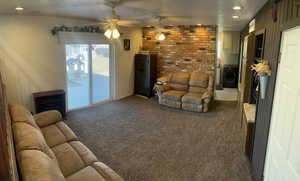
x: 112, y: 33
x: 160, y: 36
x: 108, y: 33
x: 237, y: 8
x: 19, y: 8
x: 115, y: 33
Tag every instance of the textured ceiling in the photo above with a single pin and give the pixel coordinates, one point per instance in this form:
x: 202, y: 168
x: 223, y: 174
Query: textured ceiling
x: 207, y: 12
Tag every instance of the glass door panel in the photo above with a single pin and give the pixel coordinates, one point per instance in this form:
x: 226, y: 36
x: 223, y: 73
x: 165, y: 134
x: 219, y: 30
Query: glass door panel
x: 100, y: 72
x: 78, y: 81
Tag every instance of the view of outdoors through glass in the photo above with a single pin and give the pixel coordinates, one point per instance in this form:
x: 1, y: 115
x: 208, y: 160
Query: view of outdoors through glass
x: 88, y: 74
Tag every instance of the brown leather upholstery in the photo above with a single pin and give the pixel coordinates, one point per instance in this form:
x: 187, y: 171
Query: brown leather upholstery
x: 192, y: 92
x: 47, y: 149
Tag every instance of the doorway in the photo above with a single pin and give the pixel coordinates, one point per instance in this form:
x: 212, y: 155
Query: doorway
x: 282, y: 163
x: 88, y: 69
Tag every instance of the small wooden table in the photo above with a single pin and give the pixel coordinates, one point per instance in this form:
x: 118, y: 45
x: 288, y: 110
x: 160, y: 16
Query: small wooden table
x: 248, y: 121
x: 50, y: 100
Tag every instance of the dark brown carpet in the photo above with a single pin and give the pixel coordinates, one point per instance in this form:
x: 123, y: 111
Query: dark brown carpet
x: 143, y: 141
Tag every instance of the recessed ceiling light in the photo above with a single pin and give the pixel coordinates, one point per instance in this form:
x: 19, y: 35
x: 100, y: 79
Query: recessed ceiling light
x: 19, y: 8
x: 199, y: 24
x: 237, y: 8
x: 235, y: 17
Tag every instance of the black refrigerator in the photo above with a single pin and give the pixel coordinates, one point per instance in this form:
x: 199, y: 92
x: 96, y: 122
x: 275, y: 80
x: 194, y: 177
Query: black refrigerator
x: 145, y: 74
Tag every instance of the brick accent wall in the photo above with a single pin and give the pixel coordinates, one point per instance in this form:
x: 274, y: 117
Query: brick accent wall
x: 186, y: 48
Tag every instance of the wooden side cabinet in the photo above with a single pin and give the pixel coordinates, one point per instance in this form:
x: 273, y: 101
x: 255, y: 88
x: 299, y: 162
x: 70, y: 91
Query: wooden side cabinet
x: 248, y: 121
x: 50, y: 100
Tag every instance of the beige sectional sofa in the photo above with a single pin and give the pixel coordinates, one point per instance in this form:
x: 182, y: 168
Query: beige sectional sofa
x: 191, y: 92
x: 48, y: 150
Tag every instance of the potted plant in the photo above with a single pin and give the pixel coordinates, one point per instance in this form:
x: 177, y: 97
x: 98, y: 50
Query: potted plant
x: 263, y: 71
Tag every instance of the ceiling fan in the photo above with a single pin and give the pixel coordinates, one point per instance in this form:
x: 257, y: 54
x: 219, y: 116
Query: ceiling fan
x: 160, y: 27
x: 113, y: 20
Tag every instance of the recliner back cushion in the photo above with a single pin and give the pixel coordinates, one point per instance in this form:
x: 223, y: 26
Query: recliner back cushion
x: 19, y: 113
x: 28, y: 137
x: 179, y: 81
x: 199, y: 80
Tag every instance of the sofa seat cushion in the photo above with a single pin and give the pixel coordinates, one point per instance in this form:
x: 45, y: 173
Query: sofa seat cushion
x: 73, y: 156
x: 192, y: 98
x: 58, y: 133
x: 88, y: 173
x: 96, y: 172
x: 173, y: 95
x: 36, y: 165
x: 106, y: 172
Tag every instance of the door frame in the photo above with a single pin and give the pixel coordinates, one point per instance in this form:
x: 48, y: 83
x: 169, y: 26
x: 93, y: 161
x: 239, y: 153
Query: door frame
x: 112, y: 73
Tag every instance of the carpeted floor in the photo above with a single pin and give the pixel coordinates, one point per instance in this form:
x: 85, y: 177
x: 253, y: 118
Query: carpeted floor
x: 143, y: 141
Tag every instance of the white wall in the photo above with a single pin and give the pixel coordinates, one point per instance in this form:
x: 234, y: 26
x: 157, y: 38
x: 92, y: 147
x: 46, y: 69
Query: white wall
x: 125, y: 61
x: 32, y: 60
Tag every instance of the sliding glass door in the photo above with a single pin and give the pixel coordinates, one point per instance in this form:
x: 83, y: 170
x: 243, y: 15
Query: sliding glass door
x: 100, y: 73
x: 88, y: 74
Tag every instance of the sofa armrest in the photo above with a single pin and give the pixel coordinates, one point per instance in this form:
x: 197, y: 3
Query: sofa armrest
x: 207, y: 96
x: 161, y: 88
x: 163, y: 80
x: 46, y: 118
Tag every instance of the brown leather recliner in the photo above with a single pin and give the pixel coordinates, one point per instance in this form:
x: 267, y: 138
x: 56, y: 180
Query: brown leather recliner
x: 191, y: 92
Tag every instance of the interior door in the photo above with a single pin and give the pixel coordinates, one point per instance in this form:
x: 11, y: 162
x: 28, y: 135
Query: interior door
x: 283, y: 155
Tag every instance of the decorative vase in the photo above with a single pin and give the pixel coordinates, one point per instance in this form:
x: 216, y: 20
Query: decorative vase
x: 263, y: 80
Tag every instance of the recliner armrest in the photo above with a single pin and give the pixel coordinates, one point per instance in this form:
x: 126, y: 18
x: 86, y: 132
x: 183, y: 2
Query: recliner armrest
x: 164, y: 79
x: 207, y: 96
x: 47, y: 118
x: 161, y: 88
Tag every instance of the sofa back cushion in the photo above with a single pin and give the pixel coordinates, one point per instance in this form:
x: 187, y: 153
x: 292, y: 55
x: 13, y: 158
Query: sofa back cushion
x: 199, y: 80
x: 179, y: 81
x: 19, y: 113
x: 198, y: 83
x: 28, y: 137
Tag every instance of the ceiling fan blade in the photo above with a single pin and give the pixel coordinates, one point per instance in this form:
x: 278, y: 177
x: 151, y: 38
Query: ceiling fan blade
x: 100, y: 23
x: 115, y: 3
x: 128, y: 22
x: 85, y: 4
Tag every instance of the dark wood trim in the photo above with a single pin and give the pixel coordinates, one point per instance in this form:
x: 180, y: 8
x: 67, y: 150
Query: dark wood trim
x: 292, y: 24
x: 4, y: 155
x: 8, y: 165
x: 261, y: 31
